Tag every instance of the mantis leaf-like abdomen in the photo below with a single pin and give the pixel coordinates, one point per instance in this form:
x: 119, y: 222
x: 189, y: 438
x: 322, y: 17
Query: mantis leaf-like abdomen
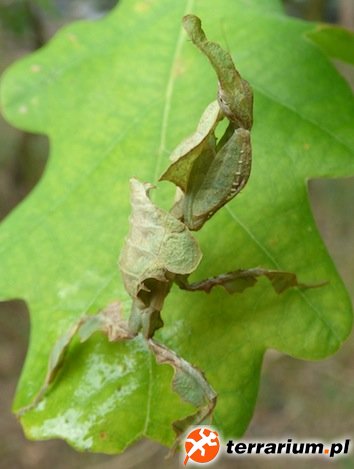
x: 216, y: 180
x: 235, y: 94
x: 185, y: 154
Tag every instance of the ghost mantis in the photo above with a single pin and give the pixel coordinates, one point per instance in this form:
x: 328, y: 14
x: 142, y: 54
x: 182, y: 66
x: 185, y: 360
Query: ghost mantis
x: 160, y: 249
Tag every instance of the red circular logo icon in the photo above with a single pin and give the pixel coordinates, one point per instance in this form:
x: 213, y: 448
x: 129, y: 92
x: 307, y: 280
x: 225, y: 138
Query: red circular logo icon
x: 201, y: 445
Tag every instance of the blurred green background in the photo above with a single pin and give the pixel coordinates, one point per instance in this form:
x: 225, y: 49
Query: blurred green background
x: 297, y: 399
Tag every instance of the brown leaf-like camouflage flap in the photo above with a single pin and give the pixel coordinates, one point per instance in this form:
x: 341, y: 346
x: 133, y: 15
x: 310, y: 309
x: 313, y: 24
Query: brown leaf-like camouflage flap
x: 158, y: 245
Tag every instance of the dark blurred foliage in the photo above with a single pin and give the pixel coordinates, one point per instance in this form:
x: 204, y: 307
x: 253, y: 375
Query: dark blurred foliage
x: 330, y: 11
x: 315, y: 10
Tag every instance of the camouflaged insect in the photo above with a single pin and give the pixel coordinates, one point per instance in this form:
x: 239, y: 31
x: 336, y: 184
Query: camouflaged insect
x: 160, y: 249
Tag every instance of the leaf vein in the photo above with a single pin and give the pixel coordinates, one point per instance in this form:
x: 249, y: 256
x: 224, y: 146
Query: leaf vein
x: 168, y: 94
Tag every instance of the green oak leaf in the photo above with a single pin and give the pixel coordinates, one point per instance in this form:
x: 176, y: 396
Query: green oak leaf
x: 115, y: 97
x: 336, y: 42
